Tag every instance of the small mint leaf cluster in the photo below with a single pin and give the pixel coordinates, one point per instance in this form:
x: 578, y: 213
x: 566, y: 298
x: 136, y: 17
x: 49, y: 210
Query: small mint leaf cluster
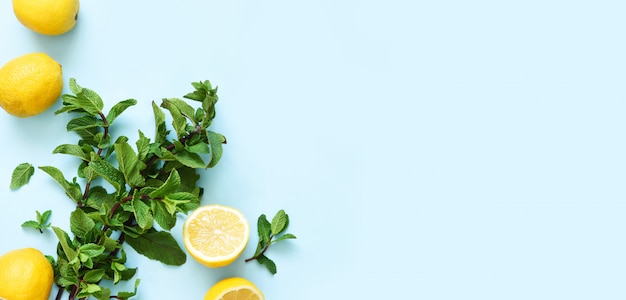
x: 40, y: 223
x: 269, y: 234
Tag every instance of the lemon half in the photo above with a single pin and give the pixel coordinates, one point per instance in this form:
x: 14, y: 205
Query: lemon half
x: 235, y: 288
x: 216, y: 235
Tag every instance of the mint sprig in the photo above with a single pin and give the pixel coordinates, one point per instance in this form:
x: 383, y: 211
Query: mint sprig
x: 269, y: 234
x: 40, y: 223
x: 126, y: 193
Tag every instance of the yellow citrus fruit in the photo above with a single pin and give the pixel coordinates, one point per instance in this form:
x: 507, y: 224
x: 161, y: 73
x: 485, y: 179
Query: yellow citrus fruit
x: 30, y: 84
x: 49, y: 17
x: 235, y: 288
x: 215, y: 235
x: 25, y: 274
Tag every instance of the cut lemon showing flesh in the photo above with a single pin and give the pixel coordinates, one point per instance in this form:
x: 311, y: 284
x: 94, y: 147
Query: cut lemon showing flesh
x: 235, y: 288
x: 216, y: 235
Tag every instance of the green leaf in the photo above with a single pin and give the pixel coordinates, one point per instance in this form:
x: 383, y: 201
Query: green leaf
x: 126, y: 295
x: 80, y: 223
x: 158, y: 245
x: 31, y: 224
x: 21, y: 175
x: 87, y: 127
x: 74, y: 87
x: 169, y: 186
x: 88, y: 289
x: 200, y: 148
x: 159, y: 120
x: 91, y: 250
x: 71, y: 149
x: 185, y: 109
x: 86, y: 99
x: 175, y: 200
x: 162, y: 216
x: 215, y: 141
x: 284, y: 237
x: 44, y: 217
x: 268, y: 263
x: 178, y: 119
x: 130, y: 165
x: 189, y: 159
x: 142, y: 212
x: 279, y: 222
x: 72, y: 189
x: 109, y: 173
x: 264, y: 229
x: 69, y: 252
x: 143, y: 146
x: 94, y: 276
x: 119, y: 108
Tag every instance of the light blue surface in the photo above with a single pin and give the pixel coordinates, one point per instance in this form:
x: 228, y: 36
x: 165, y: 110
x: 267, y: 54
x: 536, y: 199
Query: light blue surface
x: 423, y: 149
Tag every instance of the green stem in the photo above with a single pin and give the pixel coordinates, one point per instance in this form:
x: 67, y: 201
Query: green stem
x: 269, y: 242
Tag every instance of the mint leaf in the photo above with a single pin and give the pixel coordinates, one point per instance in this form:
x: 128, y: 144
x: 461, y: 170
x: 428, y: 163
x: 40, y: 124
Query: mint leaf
x: 80, y: 223
x: 118, y: 109
x: 91, y: 250
x: 169, y: 186
x: 178, y: 119
x: 192, y: 160
x: 158, y: 245
x: 264, y: 229
x: 215, y: 141
x: 279, y: 222
x: 162, y: 216
x: 31, y: 224
x: 109, y: 173
x: 126, y: 295
x: 94, y: 276
x: 285, y: 236
x: 129, y: 164
x: 74, y: 150
x: 268, y: 263
x: 21, y: 175
x: 142, y: 212
x: 159, y: 121
x: 72, y: 189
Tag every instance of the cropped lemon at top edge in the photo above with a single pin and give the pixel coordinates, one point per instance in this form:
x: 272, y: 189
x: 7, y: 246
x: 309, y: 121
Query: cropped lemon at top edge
x: 30, y: 84
x: 48, y: 17
x: 216, y: 235
x: 234, y: 288
x: 25, y: 274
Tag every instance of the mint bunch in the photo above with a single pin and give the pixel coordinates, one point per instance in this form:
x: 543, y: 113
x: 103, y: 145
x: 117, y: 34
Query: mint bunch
x: 126, y: 193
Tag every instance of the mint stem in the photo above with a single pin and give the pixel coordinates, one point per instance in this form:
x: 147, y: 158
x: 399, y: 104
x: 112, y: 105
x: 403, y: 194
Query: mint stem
x: 269, y: 242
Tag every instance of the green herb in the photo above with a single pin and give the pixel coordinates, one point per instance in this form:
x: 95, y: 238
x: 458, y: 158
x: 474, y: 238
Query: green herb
x: 40, y: 223
x: 269, y: 234
x: 21, y: 175
x: 125, y: 193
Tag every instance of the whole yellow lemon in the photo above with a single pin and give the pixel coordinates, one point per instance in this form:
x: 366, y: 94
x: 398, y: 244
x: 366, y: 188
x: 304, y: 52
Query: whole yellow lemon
x: 25, y: 274
x: 30, y: 84
x: 49, y: 17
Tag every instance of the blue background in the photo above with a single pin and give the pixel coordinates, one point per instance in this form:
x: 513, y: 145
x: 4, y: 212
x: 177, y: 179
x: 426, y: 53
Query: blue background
x: 423, y: 149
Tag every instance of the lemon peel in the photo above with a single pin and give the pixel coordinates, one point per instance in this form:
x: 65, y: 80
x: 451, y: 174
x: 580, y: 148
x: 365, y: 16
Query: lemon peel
x: 25, y: 274
x: 48, y: 17
x: 30, y: 84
